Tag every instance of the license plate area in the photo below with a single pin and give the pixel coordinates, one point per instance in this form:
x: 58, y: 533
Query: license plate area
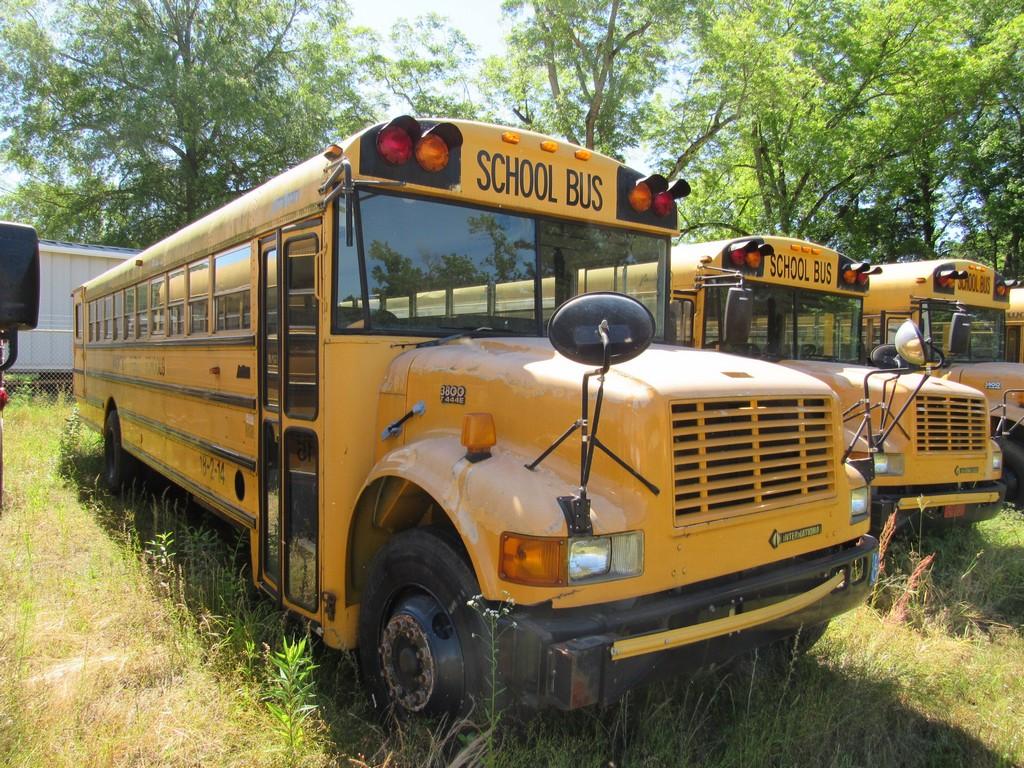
x: 952, y: 511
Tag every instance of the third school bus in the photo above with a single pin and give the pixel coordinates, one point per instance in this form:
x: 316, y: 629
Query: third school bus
x: 930, y: 292
x: 349, y: 362
x: 807, y: 300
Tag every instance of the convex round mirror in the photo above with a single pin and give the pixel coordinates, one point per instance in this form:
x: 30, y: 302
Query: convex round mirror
x: 575, y: 328
x: 910, y: 344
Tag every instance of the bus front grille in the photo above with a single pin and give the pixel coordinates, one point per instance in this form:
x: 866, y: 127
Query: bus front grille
x: 951, y: 424
x: 735, y: 457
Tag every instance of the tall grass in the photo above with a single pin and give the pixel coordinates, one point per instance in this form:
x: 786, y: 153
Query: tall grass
x: 131, y: 629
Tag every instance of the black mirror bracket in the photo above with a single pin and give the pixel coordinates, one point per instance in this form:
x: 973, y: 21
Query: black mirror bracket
x: 9, y: 336
x: 876, y: 442
x: 1002, y: 430
x: 603, y: 328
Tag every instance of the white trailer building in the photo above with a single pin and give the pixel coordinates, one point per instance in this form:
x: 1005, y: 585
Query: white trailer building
x: 45, y: 353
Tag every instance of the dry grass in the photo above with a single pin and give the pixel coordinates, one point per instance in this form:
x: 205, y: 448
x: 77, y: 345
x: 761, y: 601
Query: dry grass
x: 128, y: 637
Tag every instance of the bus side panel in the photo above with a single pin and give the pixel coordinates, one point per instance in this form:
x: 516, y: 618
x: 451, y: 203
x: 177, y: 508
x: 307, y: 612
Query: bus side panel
x: 189, y: 412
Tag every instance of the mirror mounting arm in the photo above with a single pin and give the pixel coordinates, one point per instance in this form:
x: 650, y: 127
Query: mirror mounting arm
x: 11, y: 337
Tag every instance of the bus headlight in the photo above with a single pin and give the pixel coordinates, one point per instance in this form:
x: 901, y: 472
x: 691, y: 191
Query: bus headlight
x: 604, y: 558
x: 997, y: 459
x: 888, y: 463
x: 859, y: 501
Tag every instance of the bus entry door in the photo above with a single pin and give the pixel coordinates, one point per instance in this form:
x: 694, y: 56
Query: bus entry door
x: 289, y: 533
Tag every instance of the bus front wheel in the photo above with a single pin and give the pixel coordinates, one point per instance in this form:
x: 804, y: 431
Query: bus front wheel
x: 1013, y: 472
x: 118, y: 465
x: 421, y: 646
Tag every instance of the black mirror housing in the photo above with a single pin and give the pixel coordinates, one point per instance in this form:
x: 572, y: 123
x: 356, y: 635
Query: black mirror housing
x: 19, y: 277
x: 739, y: 313
x: 582, y: 328
x: 959, y: 333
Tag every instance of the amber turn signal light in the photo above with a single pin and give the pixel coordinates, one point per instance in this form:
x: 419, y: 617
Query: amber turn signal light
x: 478, y: 435
x: 533, y: 560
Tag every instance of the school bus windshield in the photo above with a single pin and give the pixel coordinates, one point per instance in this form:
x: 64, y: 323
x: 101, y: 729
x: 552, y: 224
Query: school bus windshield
x: 435, y: 267
x: 794, y: 324
x: 986, y: 340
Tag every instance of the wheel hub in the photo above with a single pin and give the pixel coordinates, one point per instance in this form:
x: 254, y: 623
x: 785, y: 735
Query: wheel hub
x: 407, y: 662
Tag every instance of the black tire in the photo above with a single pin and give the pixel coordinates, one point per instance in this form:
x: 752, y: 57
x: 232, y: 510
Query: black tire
x: 1013, y: 472
x: 422, y: 649
x: 119, y: 468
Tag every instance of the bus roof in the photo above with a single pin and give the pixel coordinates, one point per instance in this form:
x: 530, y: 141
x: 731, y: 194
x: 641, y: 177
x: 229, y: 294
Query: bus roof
x: 788, y: 261
x: 900, y: 285
x: 515, y: 170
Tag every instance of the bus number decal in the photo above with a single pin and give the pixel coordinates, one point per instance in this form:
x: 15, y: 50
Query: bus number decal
x: 798, y: 268
x: 211, y: 468
x: 507, y: 175
x: 453, y: 394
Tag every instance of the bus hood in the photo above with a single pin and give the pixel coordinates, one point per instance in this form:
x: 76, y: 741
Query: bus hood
x: 531, y: 368
x: 847, y: 380
x: 534, y: 396
x: 994, y: 380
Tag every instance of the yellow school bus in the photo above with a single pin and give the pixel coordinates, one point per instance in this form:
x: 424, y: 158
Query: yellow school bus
x: 936, y: 457
x: 1013, y: 339
x: 350, y: 363
x: 931, y: 292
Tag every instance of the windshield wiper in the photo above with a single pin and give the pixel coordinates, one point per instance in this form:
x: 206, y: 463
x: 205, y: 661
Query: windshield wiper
x: 444, y: 339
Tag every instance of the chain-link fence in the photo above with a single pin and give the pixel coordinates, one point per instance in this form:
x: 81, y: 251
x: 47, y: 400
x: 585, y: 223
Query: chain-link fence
x: 44, y: 363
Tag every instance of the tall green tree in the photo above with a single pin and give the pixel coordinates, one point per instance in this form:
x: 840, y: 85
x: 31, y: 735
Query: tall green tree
x: 129, y: 118
x: 796, y: 108
x: 426, y: 68
x: 584, y: 69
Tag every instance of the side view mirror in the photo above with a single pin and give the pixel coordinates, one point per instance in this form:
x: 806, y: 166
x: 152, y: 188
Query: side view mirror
x: 739, y: 312
x: 959, y: 333
x: 601, y: 328
x: 595, y: 329
x: 884, y: 356
x: 910, y: 344
x: 19, y: 287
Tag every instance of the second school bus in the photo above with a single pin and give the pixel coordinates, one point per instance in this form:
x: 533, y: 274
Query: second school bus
x: 350, y: 363
x: 930, y: 292
x: 807, y: 315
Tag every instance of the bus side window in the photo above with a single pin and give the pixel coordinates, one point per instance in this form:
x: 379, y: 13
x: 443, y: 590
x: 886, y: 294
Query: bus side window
x: 115, y: 321
x: 129, y: 313
x: 199, y: 296
x: 158, y: 297
x: 108, y: 303
x: 176, y: 303
x: 231, y: 301
x: 142, y: 309
x: 78, y: 320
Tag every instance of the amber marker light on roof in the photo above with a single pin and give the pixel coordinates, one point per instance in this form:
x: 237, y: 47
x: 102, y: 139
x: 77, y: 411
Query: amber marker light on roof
x: 583, y: 154
x: 510, y: 137
x: 548, y: 145
x: 333, y: 152
x: 534, y: 560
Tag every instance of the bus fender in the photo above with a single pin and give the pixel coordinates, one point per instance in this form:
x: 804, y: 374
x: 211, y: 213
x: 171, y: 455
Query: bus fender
x: 481, y: 500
